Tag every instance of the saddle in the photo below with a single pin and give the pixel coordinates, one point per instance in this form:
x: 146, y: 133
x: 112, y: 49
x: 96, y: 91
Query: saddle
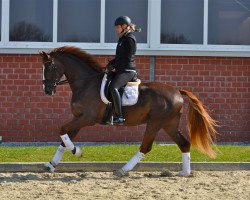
x: 129, y: 93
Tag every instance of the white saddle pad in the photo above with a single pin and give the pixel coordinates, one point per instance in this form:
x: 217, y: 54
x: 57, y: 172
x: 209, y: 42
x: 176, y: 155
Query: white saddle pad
x: 130, y: 94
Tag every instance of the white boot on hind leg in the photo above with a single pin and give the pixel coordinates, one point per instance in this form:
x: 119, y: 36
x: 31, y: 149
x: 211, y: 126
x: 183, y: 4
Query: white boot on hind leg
x: 130, y: 165
x: 186, y: 168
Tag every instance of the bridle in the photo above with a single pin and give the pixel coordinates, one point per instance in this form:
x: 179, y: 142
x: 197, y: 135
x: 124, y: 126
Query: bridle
x: 56, y: 82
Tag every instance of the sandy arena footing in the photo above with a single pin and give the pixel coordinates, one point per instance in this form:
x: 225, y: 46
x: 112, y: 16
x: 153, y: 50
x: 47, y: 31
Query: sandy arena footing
x: 216, y: 185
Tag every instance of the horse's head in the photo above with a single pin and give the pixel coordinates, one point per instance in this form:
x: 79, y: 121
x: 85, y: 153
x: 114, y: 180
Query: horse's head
x: 52, y: 73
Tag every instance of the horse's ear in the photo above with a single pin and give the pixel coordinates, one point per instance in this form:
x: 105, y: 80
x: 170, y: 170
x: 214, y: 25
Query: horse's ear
x: 43, y: 54
x: 40, y: 53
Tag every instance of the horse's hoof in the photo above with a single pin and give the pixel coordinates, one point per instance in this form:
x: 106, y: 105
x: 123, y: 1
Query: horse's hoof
x: 120, y: 173
x: 183, y: 173
x: 78, y: 152
x: 49, y: 167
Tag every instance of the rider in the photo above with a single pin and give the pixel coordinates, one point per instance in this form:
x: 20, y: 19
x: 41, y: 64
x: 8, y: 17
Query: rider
x: 123, y: 64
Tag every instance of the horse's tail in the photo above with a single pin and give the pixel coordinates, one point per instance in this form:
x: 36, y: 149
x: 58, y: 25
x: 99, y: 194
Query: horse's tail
x: 201, y: 126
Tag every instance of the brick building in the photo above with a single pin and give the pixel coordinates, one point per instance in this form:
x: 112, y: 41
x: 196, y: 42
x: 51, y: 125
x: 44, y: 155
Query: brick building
x: 199, y: 45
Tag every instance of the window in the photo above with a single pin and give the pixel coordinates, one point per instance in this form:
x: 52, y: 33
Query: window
x: 169, y: 27
x: 182, y: 21
x: 31, y: 20
x: 137, y: 10
x: 79, y: 21
x: 229, y: 22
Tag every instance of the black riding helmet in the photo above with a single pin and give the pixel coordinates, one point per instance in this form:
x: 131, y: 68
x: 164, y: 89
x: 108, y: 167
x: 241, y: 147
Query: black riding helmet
x: 122, y: 20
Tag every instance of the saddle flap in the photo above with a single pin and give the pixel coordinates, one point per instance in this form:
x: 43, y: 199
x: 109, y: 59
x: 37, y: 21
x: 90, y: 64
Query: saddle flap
x: 131, y: 93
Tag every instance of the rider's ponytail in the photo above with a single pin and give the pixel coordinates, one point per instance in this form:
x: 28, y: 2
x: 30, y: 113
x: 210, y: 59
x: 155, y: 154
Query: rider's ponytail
x: 130, y: 28
x: 133, y: 28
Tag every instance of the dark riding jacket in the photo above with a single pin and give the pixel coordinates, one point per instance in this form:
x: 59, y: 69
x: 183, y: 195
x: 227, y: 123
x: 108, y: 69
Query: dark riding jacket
x: 125, y: 53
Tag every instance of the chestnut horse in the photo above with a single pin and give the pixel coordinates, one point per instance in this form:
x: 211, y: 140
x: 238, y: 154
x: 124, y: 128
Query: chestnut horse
x: 159, y: 106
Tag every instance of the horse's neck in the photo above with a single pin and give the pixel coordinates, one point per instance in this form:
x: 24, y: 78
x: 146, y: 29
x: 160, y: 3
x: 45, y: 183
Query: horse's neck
x: 79, y: 74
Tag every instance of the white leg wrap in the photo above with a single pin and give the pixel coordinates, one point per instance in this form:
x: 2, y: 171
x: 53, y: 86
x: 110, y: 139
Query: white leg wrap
x: 133, y: 161
x: 67, y: 141
x: 78, y: 152
x: 186, y: 169
x: 58, y: 156
x: 49, y: 167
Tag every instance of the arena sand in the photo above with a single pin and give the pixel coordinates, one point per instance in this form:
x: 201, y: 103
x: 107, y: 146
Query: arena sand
x: 203, y: 185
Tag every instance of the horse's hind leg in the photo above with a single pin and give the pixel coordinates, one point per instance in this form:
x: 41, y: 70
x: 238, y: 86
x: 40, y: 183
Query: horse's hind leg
x: 172, y: 130
x: 146, y: 146
x: 59, y: 154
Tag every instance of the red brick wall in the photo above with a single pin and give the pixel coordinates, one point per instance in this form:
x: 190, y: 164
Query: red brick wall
x: 27, y: 115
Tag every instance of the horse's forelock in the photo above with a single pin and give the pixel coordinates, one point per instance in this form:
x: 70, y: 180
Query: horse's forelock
x: 81, y: 54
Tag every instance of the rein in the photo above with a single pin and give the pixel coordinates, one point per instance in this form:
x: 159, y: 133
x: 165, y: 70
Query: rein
x: 62, y: 82
x: 66, y: 80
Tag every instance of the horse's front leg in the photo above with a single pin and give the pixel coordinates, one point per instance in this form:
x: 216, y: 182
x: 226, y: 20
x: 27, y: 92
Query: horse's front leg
x: 67, y: 134
x: 59, y: 154
x: 66, y: 131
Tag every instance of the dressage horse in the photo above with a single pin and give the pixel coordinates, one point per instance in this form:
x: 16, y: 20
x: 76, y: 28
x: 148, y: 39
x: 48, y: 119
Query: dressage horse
x: 159, y: 106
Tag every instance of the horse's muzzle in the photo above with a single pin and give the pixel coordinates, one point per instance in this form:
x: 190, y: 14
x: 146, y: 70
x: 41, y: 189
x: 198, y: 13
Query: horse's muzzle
x: 49, y: 91
x: 49, y: 87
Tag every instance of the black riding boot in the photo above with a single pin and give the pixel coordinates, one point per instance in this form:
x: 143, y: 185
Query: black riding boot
x: 118, y: 118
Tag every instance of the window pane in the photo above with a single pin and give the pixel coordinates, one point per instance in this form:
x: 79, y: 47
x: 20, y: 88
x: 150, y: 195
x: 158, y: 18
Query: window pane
x: 137, y: 10
x: 229, y: 22
x: 79, y: 20
x: 182, y: 21
x: 31, y: 20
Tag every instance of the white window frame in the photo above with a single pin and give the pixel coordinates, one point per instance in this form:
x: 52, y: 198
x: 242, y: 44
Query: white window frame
x: 152, y: 47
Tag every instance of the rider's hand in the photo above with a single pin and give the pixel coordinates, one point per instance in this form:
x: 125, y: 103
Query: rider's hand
x: 111, y: 65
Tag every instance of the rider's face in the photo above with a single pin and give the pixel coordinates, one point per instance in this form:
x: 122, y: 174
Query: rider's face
x: 120, y: 28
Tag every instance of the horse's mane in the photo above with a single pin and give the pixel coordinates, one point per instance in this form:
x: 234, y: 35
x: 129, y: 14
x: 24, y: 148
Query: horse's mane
x: 81, y: 54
